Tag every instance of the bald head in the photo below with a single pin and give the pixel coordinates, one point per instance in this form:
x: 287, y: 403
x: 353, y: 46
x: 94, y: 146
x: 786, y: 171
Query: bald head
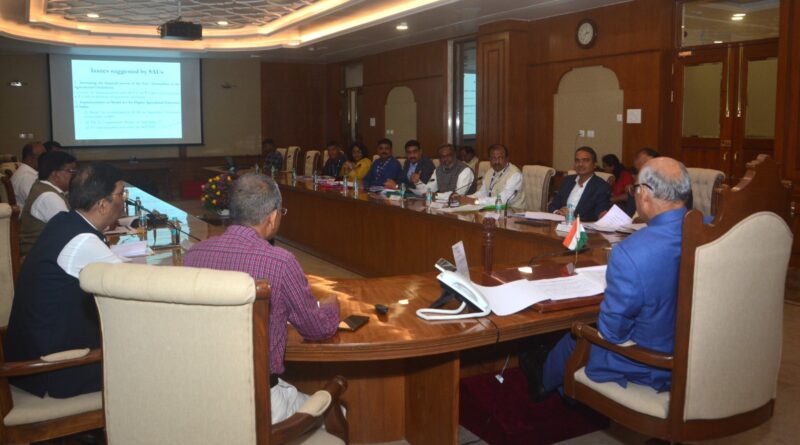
x: 667, y: 179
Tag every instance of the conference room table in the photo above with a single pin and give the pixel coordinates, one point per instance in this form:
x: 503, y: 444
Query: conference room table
x: 403, y: 372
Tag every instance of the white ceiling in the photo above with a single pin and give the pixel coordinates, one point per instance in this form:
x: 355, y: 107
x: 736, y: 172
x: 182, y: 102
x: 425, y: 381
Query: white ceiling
x: 320, y: 38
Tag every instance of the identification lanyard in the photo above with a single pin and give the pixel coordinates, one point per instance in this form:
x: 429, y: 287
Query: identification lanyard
x: 491, y: 183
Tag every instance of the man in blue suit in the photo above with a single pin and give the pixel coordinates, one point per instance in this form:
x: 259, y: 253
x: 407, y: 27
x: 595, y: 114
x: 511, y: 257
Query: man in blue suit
x: 589, y: 195
x: 418, y: 168
x: 641, y: 288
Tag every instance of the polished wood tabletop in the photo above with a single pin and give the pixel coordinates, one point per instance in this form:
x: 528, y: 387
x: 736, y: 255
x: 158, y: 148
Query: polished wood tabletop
x: 378, y: 237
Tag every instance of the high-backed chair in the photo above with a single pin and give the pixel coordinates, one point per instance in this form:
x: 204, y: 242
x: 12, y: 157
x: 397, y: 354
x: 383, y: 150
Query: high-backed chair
x: 8, y: 168
x: 186, y: 360
x: 435, y: 162
x: 483, y: 167
x: 6, y: 157
x: 7, y: 191
x: 704, y: 182
x: 292, y: 158
x: 311, y: 163
x: 402, y: 162
x: 282, y: 152
x: 608, y: 177
x: 728, y: 329
x: 9, y: 258
x: 536, y: 182
x: 375, y: 157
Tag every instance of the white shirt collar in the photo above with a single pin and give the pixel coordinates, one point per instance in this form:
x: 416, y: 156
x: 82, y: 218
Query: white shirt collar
x: 53, y: 185
x: 26, y: 168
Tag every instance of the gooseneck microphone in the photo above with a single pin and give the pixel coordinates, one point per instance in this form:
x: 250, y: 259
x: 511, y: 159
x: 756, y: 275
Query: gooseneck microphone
x: 156, y: 213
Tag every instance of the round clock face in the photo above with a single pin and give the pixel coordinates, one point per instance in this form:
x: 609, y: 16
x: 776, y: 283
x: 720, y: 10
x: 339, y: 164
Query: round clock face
x: 586, y: 33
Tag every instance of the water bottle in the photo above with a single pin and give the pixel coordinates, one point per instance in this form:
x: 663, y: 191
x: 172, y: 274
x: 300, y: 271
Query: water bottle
x: 137, y: 206
x: 570, y: 216
x: 125, y: 200
x: 498, y: 205
x: 175, y: 231
x: 428, y: 198
x: 294, y: 173
x: 402, y: 190
x: 344, y: 184
x: 355, y: 188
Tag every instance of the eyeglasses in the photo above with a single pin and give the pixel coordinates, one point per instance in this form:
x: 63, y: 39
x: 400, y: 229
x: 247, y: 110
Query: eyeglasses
x: 71, y: 171
x: 637, y: 186
x: 283, y: 211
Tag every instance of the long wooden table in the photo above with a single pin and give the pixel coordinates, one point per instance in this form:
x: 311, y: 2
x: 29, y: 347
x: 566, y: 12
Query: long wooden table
x: 377, y: 237
x: 403, y: 372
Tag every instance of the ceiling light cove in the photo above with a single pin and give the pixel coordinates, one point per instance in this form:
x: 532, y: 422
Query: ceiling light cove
x: 403, y: 26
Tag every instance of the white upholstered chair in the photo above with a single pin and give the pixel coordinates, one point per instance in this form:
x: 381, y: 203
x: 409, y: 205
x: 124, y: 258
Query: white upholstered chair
x: 536, y: 182
x: 375, y: 157
x: 7, y: 191
x: 186, y: 360
x: 483, y: 167
x: 9, y: 258
x: 704, y: 182
x: 311, y: 162
x: 728, y: 332
x: 292, y: 158
x: 8, y: 168
x: 435, y: 162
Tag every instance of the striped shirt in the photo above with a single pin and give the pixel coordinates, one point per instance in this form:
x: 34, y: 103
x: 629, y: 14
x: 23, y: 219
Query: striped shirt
x: 241, y: 249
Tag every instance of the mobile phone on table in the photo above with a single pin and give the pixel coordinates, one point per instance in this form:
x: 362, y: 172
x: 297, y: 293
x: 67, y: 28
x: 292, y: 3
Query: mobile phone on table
x: 353, y: 322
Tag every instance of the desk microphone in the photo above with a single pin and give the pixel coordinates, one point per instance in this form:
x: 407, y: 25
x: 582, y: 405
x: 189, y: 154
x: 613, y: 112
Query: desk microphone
x: 156, y: 214
x: 505, y: 207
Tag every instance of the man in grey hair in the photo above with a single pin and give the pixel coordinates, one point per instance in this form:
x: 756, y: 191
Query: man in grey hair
x: 256, y: 214
x: 641, y: 291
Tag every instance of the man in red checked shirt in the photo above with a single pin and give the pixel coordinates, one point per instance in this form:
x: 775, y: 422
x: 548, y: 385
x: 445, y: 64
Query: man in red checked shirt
x: 256, y: 213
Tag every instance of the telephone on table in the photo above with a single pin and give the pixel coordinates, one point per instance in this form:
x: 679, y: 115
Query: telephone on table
x: 460, y: 288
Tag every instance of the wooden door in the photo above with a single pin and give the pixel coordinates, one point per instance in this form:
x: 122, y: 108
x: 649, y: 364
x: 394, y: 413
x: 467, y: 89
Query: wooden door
x: 725, y: 105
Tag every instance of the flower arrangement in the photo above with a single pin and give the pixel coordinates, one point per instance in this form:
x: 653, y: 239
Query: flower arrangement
x: 216, y: 192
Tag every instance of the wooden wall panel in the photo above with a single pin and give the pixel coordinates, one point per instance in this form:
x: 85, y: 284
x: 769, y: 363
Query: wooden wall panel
x: 292, y: 103
x: 422, y: 68
x: 641, y: 77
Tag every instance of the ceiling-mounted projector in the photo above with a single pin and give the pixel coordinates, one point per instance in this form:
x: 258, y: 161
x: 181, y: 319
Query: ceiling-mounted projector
x: 178, y: 30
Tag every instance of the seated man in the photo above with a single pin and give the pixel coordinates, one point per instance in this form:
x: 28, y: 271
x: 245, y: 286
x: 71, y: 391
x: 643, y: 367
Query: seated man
x: 22, y: 180
x: 466, y: 154
x: 48, y: 196
x: 384, y: 168
x: 256, y: 213
x: 589, y: 195
x: 333, y: 165
x: 505, y: 180
x: 50, y: 312
x: 272, y: 158
x: 418, y: 167
x: 642, y: 156
x: 641, y: 287
x: 451, y: 175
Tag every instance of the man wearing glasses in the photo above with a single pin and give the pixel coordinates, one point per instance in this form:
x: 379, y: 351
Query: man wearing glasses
x: 256, y: 213
x: 47, y: 198
x: 641, y: 290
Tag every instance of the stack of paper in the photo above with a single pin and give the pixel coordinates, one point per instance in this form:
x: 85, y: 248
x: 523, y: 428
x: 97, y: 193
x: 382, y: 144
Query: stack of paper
x: 611, y: 221
x: 130, y: 250
x: 544, y: 216
x: 517, y: 295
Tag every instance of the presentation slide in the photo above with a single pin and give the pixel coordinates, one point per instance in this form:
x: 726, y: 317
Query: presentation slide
x: 125, y: 102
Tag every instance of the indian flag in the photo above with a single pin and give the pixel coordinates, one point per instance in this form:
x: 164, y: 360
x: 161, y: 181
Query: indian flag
x: 576, y: 238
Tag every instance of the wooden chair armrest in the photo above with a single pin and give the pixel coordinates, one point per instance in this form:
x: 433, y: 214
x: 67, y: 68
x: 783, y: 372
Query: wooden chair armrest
x: 28, y: 367
x: 300, y: 423
x: 633, y: 352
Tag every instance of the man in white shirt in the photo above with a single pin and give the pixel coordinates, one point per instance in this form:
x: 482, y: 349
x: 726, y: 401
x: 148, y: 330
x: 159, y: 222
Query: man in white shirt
x: 504, y: 180
x: 585, y: 193
x: 47, y: 197
x: 22, y: 180
x: 451, y: 176
x: 50, y: 312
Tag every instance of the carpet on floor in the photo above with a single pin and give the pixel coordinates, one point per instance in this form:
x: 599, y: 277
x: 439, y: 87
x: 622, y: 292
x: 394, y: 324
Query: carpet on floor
x: 502, y: 414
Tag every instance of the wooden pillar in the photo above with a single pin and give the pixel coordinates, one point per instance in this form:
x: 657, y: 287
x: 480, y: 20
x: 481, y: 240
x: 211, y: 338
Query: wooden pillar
x: 502, y: 91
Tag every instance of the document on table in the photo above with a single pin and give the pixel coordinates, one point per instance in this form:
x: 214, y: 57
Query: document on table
x: 515, y: 296
x: 611, y: 221
x: 544, y: 216
x: 464, y: 208
x: 130, y: 250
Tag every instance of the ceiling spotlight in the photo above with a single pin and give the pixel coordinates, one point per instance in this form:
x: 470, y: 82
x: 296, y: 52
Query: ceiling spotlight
x: 739, y: 14
x: 93, y: 15
x: 402, y: 26
x: 717, y: 41
x: 737, y: 18
x: 222, y: 23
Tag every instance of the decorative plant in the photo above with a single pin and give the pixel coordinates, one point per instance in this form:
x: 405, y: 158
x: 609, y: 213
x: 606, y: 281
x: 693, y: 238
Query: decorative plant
x: 216, y: 192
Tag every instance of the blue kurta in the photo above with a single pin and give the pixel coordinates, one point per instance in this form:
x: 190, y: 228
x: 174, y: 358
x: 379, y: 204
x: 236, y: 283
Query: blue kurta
x: 639, y: 305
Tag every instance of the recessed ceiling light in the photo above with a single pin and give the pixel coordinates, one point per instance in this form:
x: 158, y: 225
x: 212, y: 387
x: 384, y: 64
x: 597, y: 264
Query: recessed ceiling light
x: 717, y: 41
x: 402, y: 26
x: 737, y: 18
x: 293, y: 43
x: 222, y: 23
x: 93, y: 15
x: 739, y: 14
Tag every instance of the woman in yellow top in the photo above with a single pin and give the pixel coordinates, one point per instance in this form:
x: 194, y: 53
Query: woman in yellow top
x: 358, y: 162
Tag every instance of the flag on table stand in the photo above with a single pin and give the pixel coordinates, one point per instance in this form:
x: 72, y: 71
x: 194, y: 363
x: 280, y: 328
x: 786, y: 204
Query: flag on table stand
x: 576, y: 238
